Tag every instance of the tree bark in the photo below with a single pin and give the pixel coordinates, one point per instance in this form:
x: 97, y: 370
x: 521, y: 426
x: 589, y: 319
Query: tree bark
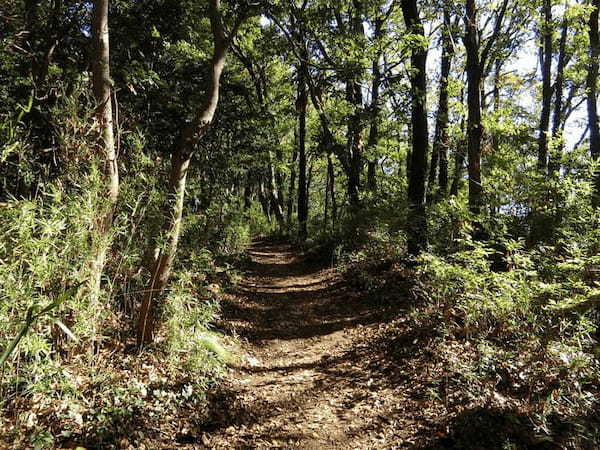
x: 474, y: 126
x: 290, y: 199
x: 102, y: 88
x: 301, y: 103
x: 440, y: 143
x: 355, y: 128
x: 546, y: 65
x: 331, y: 177
x: 375, y: 110
x: 555, y: 155
x: 417, y: 223
x: 180, y: 161
x: 592, y: 97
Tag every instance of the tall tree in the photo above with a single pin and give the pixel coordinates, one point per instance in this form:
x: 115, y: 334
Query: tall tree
x: 102, y: 87
x: 546, y: 54
x: 479, y: 65
x: 474, y: 127
x: 440, y: 143
x: 417, y: 223
x: 354, y: 96
x: 592, y: 95
x: 180, y: 161
x: 557, y: 119
x: 301, y: 106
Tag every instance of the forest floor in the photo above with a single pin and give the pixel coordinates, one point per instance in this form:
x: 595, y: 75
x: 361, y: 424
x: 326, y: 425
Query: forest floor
x: 311, y: 376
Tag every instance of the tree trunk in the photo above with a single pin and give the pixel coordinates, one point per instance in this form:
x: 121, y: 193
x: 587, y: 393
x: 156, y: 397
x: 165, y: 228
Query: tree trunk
x: 592, y: 97
x: 264, y: 200
x: 374, y: 129
x: 102, y: 87
x: 274, y: 193
x: 474, y: 127
x: 180, y: 161
x: 290, y: 199
x: 375, y: 109
x: 417, y: 223
x: 546, y: 65
x: 556, y: 154
x: 440, y: 143
x: 459, y: 162
x: 302, y: 197
x: 331, y: 177
x: 354, y: 97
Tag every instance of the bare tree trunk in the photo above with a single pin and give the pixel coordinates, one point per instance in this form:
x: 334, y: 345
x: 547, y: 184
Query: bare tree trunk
x: 592, y: 97
x: 102, y: 87
x: 290, y: 199
x: 355, y: 98
x: 374, y: 129
x: 459, y: 162
x: 417, y: 223
x: 274, y: 193
x: 555, y: 155
x: 474, y: 127
x: 301, y: 104
x: 546, y: 64
x: 326, y: 204
x: 264, y: 200
x: 331, y: 177
x: 375, y: 109
x: 440, y: 143
x: 180, y: 161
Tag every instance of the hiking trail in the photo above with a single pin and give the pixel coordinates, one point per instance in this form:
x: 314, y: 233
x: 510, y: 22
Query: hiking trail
x: 306, y: 380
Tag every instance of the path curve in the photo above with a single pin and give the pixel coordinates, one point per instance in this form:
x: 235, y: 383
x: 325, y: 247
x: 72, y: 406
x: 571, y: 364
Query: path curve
x: 302, y: 383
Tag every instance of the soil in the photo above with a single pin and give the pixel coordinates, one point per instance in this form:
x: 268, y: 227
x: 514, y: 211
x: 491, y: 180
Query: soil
x: 311, y: 376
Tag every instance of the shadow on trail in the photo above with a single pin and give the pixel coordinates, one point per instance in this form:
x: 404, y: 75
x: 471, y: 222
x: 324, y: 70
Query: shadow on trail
x: 286, y: 299
x: 304, y: 321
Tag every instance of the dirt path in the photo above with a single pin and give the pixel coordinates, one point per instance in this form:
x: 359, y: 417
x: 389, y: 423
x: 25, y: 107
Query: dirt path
x: 306, y: 382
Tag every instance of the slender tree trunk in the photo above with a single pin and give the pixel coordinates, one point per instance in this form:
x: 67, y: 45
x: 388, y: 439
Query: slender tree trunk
x: 556, y: 154
x: 102, y: 87
x: 440, y: 143
x: 497, y: 75
x: 180, y: 161
x: 264, y: 200
x: 375, y: 109
x: 274, y: 193
x: 592, y: 97
x: 326, y: 205
x: 374, y: 129
x: 302, y: 189
x: 474, y: 126
x: 279, y: 183
x: 331, y: 177
x: 417, y: 223
x: 459, y: 162
x: 546, y: 64
x: 290, y: 199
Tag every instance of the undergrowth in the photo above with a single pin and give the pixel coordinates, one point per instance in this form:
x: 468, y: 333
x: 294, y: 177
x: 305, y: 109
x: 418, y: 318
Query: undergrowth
x: 76, y: 377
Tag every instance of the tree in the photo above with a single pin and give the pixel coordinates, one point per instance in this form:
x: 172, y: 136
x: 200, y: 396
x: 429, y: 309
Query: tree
x: 180, y: 161
x: 592, y: 96
x: 546, y: 54
x: 441, y: 140
x: 102, y: 87
x: 417, y: 225
x: 474, y: 126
